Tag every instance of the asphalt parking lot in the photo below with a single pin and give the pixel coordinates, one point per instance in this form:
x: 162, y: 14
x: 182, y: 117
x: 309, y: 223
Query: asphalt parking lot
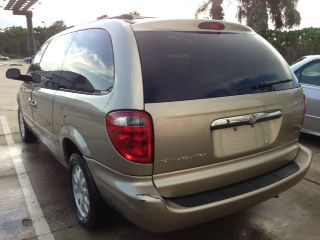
x: 36, y: 201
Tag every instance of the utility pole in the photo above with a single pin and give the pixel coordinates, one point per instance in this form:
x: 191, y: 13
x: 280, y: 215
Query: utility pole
x: 31, y: 46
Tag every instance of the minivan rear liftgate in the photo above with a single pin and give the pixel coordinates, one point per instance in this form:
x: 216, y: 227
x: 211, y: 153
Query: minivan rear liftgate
x: 218, y: 101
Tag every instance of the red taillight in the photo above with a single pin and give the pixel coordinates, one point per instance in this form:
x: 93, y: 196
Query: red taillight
x: 212, y: 26
x: 131, y: 134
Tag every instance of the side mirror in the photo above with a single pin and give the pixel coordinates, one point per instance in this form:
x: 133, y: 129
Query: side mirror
x: 15, y: 74
x: 36, y: 78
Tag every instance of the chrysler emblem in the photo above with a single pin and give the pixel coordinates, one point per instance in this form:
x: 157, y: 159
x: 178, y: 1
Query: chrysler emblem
x: 252, y: 119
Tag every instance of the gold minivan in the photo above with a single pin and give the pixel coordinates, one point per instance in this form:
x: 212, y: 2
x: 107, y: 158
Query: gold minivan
x: 171, y: 122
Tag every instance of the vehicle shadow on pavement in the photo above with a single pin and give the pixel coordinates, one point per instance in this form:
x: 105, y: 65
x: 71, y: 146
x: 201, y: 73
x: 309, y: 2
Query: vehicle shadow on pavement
x: 313, y: 142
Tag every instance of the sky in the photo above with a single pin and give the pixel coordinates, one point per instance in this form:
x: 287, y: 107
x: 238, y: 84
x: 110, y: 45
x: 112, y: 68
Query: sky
x: 75, y: 12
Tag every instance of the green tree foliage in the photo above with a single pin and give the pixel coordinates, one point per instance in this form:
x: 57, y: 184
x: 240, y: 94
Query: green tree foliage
x: 256, y: 13
x: 135, y: 13
x: 295, y: 44
x: 55, y: 28
x: 42, y: 34
x: 13, y: 40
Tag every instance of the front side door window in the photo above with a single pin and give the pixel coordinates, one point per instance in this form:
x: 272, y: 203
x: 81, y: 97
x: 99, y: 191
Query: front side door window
x: 311, y: 74
x: 44, y: 92
x: 51, y: 62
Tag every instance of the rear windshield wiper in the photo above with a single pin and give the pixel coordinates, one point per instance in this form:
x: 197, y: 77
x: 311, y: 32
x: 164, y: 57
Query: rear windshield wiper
x: 271, y: 83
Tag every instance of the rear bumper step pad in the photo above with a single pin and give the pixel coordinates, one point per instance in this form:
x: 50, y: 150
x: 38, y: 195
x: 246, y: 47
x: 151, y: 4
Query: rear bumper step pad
x: 237, y: 189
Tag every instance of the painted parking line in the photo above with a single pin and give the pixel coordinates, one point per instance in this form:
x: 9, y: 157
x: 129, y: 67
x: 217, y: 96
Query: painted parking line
x: 40, y: 224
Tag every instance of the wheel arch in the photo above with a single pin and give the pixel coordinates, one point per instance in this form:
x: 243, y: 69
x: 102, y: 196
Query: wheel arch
x: 72, y: 142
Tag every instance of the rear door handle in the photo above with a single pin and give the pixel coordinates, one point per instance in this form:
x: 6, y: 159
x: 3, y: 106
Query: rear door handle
x: 248, y: 119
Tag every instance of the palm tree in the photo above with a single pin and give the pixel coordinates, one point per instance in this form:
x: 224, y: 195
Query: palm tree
x: 283, y: 13
x: 216, y: 10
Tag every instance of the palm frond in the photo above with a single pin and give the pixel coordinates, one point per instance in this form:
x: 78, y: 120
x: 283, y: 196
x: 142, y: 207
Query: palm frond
x: 202, y: 8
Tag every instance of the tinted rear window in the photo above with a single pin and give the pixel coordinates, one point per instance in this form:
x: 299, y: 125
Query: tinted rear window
x: 180, y: 66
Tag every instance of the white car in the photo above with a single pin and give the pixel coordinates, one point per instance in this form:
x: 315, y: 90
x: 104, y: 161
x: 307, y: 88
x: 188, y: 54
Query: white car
x: 4, y: 58
x: 29, y: 59
x: 307, y: 70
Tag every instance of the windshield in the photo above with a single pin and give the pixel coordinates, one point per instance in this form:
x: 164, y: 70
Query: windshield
x: 180, y: 66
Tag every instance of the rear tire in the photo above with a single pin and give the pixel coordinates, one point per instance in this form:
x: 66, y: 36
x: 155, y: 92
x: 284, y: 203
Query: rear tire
x: 87, y: 200
x: 26, y: 134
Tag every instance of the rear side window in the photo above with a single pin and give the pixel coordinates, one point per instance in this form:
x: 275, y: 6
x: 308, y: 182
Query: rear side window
x: 88, y: 66
x: 180, y: 66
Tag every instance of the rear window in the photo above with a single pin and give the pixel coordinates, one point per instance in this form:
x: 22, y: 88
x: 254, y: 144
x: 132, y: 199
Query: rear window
x: 180, y: 66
